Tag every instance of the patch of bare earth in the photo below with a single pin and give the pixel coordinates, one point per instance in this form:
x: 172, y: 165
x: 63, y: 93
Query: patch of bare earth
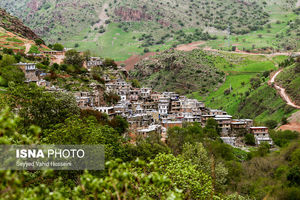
x: 294, y: 123
x: 190, y: 46
x: 134, y: 59
x: 102, y: 18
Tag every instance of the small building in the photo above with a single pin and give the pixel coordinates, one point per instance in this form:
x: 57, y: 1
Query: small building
x: 108, y: 110
x: 171, y: 124
x: 54, y: 53
x: 224, y: 124
x: 261, y: 134
x: 32, y: 74
x: 93, y: 62
x: 145, y: 92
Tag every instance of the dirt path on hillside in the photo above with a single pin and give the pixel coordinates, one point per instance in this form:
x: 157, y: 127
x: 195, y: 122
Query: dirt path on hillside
x: 134, y: 59
x: 130, y: 62
x: 59, y: 59
x: 282, y: 92
x: 27, y: 47
x: 102, y: 18
x: 190, y: 46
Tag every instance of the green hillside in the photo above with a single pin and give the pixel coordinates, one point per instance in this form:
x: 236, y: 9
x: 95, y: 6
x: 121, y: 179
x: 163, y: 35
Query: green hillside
x: 126, y: 27
x: 245, y: 92
x: 289, y: 79
x: 180, y: 72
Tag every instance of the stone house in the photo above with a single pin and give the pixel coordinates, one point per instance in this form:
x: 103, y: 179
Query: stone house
x: 261, y: 134
x: 32, y: 74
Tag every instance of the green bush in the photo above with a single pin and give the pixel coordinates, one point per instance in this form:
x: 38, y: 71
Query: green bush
x: 58, y: 47
x: 271, y: 124
x: 282, y: 138
x: 249, y: 139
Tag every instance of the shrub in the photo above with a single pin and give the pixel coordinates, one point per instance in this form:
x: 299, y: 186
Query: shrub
x: 271, y: 124
x: 8, y: 51
x: 58, y: 47
x: 282, y: 138
x: 39, y: 41
x: 249, y: 139
x: 294, y: 175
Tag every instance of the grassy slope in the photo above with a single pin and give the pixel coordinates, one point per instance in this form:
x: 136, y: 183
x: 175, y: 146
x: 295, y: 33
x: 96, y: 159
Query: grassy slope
x: 242, y: 70
x: 268, y: 39
x: 114, y: 43
x: 290, y: 80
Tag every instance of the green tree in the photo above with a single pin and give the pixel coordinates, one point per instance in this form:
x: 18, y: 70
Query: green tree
x: 126, y: 181
x: 135, y: 83
x: 109, y: 63
x: 8, y: 51
x: 76, y: 131
x: 184, y: 175
x: 293, y: 175
x: 58, y: 47
x: 198, y: 155
x: 39, y: 41
x: 271, y: 124
x: 97, y: 73
x: 7, y: 60
x: 211, y: 129
x: 263, y: 149
x: 147, y: 148
x: 12, y: 73
x: 74, y: 58
x: 39, y: 107
x: 282, y: 138
x: 119, y: 124
x: 249, y: 139
x: 177, y: 136
x: 255, y: 82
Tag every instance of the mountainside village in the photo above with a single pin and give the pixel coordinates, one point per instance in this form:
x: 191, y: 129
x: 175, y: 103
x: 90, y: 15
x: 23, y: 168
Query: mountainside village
x: 146, y: 110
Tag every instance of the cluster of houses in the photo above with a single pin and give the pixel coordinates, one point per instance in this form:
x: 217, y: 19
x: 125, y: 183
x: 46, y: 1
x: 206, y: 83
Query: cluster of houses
x: 150, y: 111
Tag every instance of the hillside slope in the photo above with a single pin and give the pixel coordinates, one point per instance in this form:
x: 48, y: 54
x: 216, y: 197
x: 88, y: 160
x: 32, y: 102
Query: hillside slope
x: 289, y: 79
x: 15, y: 35
x: 179, y: 71
x: 43, y: 16
x: 14, y: 25
x: 111, y: 25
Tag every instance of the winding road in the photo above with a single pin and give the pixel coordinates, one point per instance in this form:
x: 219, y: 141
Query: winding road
x: 282, y: 92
